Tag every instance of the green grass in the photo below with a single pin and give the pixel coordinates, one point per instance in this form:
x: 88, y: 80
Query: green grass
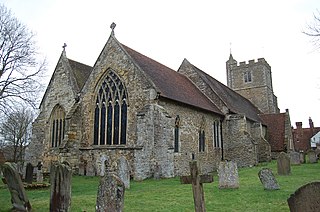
x: 170, y: 195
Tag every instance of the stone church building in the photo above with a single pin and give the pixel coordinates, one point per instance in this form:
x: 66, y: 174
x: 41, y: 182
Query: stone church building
x: 129, y: 105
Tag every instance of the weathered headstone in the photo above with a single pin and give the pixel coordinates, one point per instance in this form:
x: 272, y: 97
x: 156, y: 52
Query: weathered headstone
x: 110, y: 193
x: 39, y: 172
x: 294, y: 158
x: 60, y: 180
x: 197, y: 180
x: 283, y: 164
x: 29, y: 173
x: 123, y: 171
x: 312, y: 156
x: 102, y: 165
x: 305, y: 198
x: 268, y: 180
x: 157, y: 171
x: 228, y: 175
x: 2, y: 158
x: 19, y: 199
x: 302, y: 157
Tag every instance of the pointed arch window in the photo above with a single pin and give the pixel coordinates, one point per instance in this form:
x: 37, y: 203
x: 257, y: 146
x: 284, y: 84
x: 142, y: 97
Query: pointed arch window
x: 57, y: 126
x: 110, y: 114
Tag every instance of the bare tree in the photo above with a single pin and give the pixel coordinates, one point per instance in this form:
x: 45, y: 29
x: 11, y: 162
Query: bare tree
x: 19, y: 66
x: 16, y: 132
x: 313, y: 29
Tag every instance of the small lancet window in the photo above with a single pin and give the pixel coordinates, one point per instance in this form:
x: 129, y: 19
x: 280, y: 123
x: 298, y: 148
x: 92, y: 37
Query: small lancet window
x: 217, y: 137
x: 176, y: 134
x: 110, y: 116
x: 57, y: 127
x: 247, y: 76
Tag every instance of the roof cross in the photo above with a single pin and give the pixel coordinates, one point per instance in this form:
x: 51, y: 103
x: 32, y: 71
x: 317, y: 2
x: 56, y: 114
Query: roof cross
x: 64, y: 46
x: 112, y: 26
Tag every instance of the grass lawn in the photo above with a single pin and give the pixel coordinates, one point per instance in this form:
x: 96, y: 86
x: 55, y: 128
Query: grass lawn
x: 170, y: 195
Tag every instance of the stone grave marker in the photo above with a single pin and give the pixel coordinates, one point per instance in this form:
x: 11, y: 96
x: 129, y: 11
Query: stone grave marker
x: 29, y: 173
x: 197, y: 180
x: 19, y: 199
x: 268, y: 180
x: 306, y: 198
x: 312, y: 156
x: 39, y: 173
x: 302, y: 157
x: 60, y: 180
x: 157, y: 171
x: 102, y: 166
x: 283, y: 164
x: 111, y: 190
x: 228, y: 175
x: 294, y: 158
x: 124, y: 172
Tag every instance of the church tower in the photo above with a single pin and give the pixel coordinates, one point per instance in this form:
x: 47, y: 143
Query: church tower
x: 253, y: 80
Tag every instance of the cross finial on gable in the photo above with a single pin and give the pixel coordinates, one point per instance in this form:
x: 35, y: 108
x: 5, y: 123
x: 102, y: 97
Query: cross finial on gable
x: 64, y: 46
x: 112, y: 26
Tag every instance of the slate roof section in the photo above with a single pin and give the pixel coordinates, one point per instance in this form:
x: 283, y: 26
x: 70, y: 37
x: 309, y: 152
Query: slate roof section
x: 234, y: 101
x: 81, y: 72
x: 171, y: 84
x: 276, y: 130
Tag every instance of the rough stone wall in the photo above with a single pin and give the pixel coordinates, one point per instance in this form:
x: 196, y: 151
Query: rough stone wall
x: 239, y: 146
x: 191, y: 120
x: 288, y: 137
x: 263, y: 148
x: 259, y: 91
x: 59, y: 91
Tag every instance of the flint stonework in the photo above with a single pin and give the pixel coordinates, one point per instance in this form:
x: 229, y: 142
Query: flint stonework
x: 306, y: 198
x: 19, y: 199
x: 283, y: 164
x: 268, y: 180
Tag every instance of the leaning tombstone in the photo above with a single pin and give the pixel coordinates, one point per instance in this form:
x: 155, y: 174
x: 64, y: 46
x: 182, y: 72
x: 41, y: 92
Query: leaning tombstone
x: 283, y: 164
x: 29, y: 173
x: 228, y: 175
x: 19, y: 199
x: 60, y: 180
x: 110, y: 195
x: 123, y: 171
x: 294, y: 158
x: 305, y: 198
x: 312, y: 156
x: 268, y: 180
x: 302, y: 157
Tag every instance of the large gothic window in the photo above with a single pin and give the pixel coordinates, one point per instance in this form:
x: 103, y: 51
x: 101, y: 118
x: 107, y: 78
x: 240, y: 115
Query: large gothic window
x: 110, y: 114
x: 57, y: 121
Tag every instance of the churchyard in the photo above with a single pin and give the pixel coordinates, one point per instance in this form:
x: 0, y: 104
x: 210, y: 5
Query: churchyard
x: 172, y: 195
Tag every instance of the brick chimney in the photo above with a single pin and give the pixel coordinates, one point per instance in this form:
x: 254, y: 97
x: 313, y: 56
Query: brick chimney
x: 299, y: 125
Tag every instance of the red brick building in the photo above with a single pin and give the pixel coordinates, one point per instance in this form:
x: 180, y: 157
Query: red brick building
x: 301, y: 136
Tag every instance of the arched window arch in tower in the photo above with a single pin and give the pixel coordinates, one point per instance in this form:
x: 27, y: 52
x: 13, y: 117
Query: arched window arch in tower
x: 57, y: 126
x: 110, y: 114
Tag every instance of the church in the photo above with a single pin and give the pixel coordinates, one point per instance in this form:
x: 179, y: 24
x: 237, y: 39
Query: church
x: 129, y: 105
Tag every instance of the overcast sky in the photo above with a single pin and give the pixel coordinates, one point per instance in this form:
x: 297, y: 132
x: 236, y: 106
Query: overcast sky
x: 201, y: 31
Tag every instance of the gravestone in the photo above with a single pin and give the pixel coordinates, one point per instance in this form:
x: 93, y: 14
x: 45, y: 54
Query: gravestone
x: 283, y: 164
x: 102, y: 165
x: 197, y: 180
x: 295, y: 158
x: 302, y: 157
x: 157, y: 171
x: 39, y: 172
x: 228, y: 175
x: 268, y: 180
x: 305, y: 198
x: 60, y: 180
x: 29, y: 173
x: 110, y: 195
x: 19, y: 199
x: 124, y: 172
x: 312, y: 156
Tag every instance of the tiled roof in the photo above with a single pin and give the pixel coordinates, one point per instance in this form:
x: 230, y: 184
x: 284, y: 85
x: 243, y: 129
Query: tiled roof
x: 301, y: 137
x: 234, y: 101
x: 81, y: 72
x: 171, y: 84
x: 276, y: 130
